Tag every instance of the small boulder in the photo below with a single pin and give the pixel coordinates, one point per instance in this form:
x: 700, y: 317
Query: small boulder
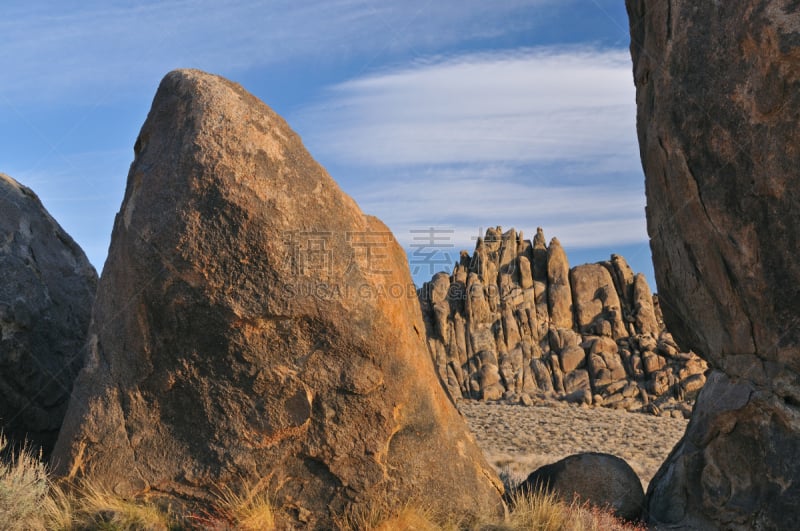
x: 595, y: 299
x: 578, y: 396
x: 572, y: 357
x: 602, y: 480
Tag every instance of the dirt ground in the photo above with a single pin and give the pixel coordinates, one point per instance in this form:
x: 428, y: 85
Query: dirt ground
x: 518, y: 439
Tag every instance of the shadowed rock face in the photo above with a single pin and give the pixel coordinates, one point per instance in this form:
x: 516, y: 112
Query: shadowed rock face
x: 46, y: 291
x: 718, y: 96
x: 253, y: 325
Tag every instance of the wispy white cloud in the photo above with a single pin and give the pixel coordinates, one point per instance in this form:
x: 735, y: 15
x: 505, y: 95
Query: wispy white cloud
x: 52, y: 47
x: 535, y: 105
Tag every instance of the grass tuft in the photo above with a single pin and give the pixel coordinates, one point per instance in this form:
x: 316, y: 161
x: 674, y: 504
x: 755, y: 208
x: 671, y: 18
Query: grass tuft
x: 59, y: 509
x: 249, y: 508
x: 97, y: 508
x: 541, y: 510
x: 379, y: 516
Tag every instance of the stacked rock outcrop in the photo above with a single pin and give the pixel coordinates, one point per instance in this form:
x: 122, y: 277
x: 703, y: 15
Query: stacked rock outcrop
x: 47, y: 287
x: 514, y: 321
x: 718, y: 98
x: 251, y: 327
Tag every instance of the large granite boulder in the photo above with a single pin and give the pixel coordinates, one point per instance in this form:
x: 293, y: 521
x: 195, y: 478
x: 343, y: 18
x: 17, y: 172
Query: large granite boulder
x: 252, y: 324
x: 718, y: 95
x: 46, y: 297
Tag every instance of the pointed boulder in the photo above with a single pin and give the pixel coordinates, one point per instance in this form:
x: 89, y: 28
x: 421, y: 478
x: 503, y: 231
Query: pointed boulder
x: 253, y: 325
x: 559, y: 290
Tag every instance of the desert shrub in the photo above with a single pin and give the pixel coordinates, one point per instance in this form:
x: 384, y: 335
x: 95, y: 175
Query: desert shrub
x: 30, y: 501
x: 23, y: 488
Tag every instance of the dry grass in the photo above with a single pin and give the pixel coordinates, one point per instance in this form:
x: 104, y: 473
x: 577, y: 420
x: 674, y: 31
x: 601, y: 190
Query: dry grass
x: 543, y: 511
x: 537, y: 511
x: 58, y: 509
x: 409, y: 518
x: 97, y: 508
x: 30, y: 501
x: 90, y: 507
x: 248, y: 509
x: 540, y: 510
x: 382, y: 516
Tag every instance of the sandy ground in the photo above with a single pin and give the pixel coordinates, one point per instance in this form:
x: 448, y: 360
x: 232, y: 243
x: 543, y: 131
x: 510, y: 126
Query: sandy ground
x: 518, y: 439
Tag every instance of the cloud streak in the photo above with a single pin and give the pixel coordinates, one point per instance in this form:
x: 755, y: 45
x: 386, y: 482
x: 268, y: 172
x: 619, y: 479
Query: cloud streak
x: 524, y: 138
x: 538, y: 105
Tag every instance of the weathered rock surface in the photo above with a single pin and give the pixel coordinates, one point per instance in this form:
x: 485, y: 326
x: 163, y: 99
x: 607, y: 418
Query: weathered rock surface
x: 253, y: 325
x: 47, y: 287
x: 591, y: 335
x: 596, y: 301
x: 559, y: 292
x: 602, y: 480
x: 718, y: 96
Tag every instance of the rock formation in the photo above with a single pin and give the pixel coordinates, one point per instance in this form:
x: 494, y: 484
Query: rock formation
x: 603, y: 480
x: 514, y: 321
x: 252, y: 325
x: 718, y: 94
x: 46, y: 297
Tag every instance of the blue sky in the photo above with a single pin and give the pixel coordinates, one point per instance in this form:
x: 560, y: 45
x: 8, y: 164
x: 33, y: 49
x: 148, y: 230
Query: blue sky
x: 444, y: 114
